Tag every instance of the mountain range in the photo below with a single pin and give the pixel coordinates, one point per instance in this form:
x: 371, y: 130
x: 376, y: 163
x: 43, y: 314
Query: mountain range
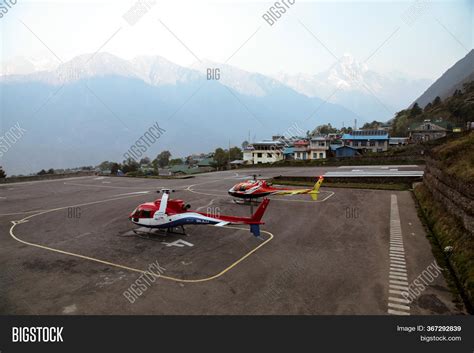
x: 353, y: 85
x: 94, y: 107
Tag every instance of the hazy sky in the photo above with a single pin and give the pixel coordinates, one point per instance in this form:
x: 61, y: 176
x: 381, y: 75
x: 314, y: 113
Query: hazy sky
x: 420, y: 38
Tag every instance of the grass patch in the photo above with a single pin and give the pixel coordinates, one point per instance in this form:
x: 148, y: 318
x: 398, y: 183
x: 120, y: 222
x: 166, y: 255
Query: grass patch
x: 445, y: 230
x: 457, y: 157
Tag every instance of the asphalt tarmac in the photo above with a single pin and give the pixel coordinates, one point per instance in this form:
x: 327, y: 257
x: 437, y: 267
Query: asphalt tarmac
x: 67, y: 247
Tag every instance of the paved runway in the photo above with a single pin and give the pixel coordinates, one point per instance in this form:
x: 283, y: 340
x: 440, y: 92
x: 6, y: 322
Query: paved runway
x: 70, y: 250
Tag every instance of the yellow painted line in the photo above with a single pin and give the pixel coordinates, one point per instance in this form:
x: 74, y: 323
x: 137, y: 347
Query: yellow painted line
x: 331, y: 193
x: 235, y: 263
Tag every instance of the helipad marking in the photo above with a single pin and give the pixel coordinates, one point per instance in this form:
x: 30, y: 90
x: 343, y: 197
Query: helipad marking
x: 398, y: 277
x: 217, y: 275
x: 134, y: 193
x: 179, y: 243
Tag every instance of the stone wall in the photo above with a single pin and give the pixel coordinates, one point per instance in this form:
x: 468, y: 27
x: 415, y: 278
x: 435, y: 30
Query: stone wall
x: 456, y: 197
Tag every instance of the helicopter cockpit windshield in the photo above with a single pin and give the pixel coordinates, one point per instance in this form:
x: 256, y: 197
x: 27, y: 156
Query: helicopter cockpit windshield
x: 141, y: 212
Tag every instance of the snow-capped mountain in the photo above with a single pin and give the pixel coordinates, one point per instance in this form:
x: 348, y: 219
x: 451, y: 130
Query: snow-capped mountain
x: 353, y: 85
x: 156, y: 71
x: 91, y: 109
x: 244, y: 82
x: 348, y: 83
x: 153, y: 70
x: 25, y: 66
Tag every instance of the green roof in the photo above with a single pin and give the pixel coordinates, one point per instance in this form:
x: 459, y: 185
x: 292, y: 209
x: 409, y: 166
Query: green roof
x: 205, y: 162
x: 185, y: 169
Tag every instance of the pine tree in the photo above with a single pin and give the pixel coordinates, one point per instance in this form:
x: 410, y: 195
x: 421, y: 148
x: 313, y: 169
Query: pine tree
x: 416, y: 110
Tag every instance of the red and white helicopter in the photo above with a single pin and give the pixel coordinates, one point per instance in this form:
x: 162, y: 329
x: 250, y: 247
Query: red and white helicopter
x: 168, y: 214
x: 256, y: 188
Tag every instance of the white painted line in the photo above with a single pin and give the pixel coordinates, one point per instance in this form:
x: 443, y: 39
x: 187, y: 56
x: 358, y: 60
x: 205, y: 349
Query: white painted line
x: 396, y: 312
x: 397, y: 250
x: 397, y: 261
x: 398, y: 266
x: 400, y: 300
x: 399, y: 306
x: 398, y: 273
x: 402, y: 278
x: 397, y: 257
x: 398, y: 276
x: 395, y: 254
x: 393, y: 262
x: 134, y: 193
x: 379, y: 167
x: 43, y: 181
x: 398, y: 269
x: 400, y: 260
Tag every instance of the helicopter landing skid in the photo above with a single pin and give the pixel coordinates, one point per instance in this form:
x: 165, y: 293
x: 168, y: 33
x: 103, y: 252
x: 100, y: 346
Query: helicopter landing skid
x: 245, y: 201
x: 160, y: 231
x: 172, y: 230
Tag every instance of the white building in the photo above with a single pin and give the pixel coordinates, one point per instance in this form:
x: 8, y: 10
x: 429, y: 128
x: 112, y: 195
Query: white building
x: 264, y: 152
x: 318, y: 147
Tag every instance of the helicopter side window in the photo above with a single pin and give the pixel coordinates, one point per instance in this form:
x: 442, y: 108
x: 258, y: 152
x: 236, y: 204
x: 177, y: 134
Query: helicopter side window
x: 145, y: 214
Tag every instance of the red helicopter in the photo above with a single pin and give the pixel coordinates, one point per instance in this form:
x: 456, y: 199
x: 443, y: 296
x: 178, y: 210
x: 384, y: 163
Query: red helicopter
x: 256, y: 188
x: 169, y: 214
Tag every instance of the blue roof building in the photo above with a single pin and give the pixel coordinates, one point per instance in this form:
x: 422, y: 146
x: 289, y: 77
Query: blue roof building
x: 346, y: 151
x: 367, y: 140
x: 289, y: 153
